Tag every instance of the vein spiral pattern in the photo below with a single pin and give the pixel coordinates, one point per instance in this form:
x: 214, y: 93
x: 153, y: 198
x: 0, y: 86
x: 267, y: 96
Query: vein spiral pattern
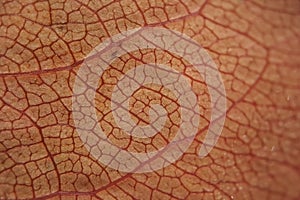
x: 99, y: 60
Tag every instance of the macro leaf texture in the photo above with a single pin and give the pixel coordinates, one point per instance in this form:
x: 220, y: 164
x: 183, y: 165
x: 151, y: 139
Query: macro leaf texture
x: 255, y: 46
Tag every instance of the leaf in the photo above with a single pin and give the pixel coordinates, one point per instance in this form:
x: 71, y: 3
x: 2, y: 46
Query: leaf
x: 45, y: 46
